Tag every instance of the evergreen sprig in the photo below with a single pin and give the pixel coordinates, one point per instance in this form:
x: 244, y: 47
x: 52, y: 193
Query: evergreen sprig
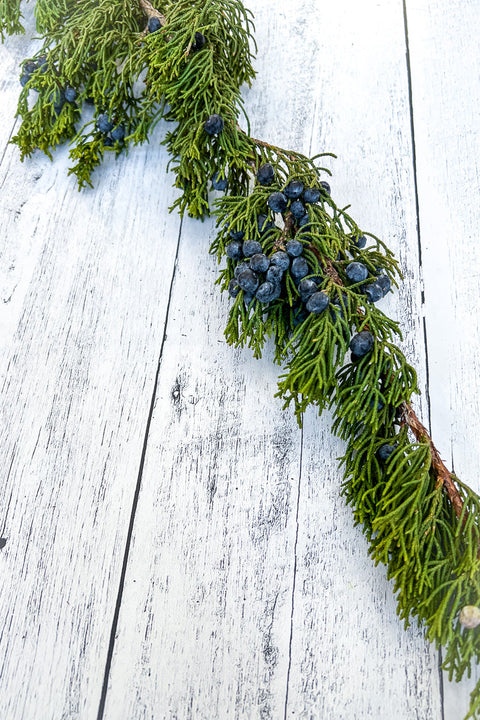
x: 300, y: 270
x: 11, y: 17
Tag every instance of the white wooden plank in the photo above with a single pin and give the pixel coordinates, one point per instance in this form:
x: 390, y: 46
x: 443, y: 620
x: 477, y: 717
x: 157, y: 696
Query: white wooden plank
x: 446, y: 90
x: 204, y: 628
x: 351, y: 658
x: 85, y: 280
x: 75, y: 398
x: 204, y: 622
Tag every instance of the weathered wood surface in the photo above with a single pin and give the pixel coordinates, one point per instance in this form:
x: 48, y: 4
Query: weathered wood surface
x: 176, y: 547
x: 445, y: 94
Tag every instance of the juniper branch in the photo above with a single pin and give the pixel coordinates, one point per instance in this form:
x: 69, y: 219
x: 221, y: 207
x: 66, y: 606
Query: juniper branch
x: 420, y: 520
x: 408, y: 415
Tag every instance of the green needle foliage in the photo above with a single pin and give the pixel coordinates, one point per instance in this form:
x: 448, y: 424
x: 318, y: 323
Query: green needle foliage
x: 10, y: 18
x: 99, y: 62
x: 104, y: 52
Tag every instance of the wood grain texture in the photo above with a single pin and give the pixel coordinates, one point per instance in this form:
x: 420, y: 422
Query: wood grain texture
x: 445, y: 95
x: 247, y: 593
x: 85, y: 282
x: 203, y: 628
x: 313, y: 661
x: 350, y: 656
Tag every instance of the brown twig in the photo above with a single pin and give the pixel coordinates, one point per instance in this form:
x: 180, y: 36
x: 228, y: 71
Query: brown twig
x: 261, y: 143
x: 444, y: 476
x: 279, y: 243
x: 278, y: 150
x: 327, y: 265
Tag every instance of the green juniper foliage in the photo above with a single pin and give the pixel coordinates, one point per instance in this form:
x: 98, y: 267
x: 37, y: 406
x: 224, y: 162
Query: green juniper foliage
x: 106, y: 55
x: 300, y: 272
x: 10, y: 18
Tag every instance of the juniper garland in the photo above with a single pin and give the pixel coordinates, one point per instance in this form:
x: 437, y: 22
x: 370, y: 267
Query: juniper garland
x: 298, y: 268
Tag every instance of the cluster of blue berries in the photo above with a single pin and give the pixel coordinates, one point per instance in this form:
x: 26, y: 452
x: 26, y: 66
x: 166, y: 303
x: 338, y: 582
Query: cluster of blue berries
x: 361, y: 345
x: 295, y: 197
x: 60, y: 96
x: 378, y: 286
x: 113, y: 133
x: 261, y: 276
x: 30, y: 67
